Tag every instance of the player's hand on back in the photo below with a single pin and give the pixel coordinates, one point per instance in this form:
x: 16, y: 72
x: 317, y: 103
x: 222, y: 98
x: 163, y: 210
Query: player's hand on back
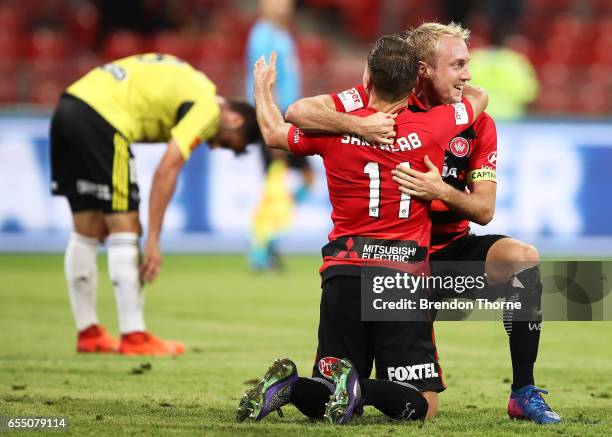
x: 378, y: 128
x: 265, y: 74
x: 422, y: 185
x: 151, y: 261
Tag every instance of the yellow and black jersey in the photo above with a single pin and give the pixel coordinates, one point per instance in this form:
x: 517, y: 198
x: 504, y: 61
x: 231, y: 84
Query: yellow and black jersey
x: 153, y: 98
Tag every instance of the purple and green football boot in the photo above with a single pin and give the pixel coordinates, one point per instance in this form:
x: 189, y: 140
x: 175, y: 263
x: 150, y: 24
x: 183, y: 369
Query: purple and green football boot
x: 346, y: 399
x: 527, y: 403
x: 271, y: 393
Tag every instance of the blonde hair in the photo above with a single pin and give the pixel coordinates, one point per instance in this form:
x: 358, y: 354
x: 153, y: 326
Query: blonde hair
x: 425, y: 38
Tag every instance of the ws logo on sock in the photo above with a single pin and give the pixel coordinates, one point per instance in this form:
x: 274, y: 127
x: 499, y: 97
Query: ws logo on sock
x: 537, y: 326
x: 410, y: 373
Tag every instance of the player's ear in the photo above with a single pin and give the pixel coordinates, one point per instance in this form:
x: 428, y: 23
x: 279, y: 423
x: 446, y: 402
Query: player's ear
x: 424, y: 70
x: 367, y: 79
x: 365, y: 76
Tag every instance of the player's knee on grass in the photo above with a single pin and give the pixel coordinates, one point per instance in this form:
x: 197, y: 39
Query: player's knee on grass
x: 432, y: 403
x: 309, y: 396
x: 397, y: 400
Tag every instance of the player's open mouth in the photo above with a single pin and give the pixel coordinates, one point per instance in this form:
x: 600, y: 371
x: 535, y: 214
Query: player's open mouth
x: 459, y: 87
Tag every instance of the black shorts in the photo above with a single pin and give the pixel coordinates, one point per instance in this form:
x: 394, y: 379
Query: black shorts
x: 402, y: 351
x: 470, y: 247
x: 91, y: 162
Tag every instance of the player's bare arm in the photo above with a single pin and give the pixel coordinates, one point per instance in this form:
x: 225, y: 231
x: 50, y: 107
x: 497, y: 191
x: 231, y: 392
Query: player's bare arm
x: 319, y: 114
x: 273, y: 127
x: 477, y: 206
x: 162, y: 188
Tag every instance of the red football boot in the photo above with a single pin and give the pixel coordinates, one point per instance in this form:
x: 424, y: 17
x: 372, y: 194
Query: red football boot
x: 145, y: 343
x: 95, y: 339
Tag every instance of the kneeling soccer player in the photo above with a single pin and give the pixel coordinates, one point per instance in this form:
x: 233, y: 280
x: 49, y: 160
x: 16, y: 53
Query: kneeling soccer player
x: 368, y: 211
x: 463, y: 192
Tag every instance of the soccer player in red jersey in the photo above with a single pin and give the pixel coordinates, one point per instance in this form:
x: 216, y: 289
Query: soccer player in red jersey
x: 464, y: 191
x: 367, y: 210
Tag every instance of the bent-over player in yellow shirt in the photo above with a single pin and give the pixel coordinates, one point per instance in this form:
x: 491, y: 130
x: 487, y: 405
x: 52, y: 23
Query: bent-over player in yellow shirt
x: 143, y: 98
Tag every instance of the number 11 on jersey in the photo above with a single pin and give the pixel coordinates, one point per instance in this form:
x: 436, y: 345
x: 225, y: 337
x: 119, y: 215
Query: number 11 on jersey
x: 373, y: 171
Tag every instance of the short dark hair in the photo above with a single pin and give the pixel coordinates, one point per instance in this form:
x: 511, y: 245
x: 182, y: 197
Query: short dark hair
x: 393, y: 66
x: 250, y: 129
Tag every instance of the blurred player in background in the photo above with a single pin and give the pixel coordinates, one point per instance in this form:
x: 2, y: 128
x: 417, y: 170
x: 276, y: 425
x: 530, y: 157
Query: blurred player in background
x: 509, y: 77
x: 143, y: 98
x: 274, y: 212
x: 367, y: 210
x: 462, y: 193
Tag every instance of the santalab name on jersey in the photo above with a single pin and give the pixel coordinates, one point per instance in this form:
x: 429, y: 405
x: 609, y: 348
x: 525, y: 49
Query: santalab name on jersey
x: 402, y: 144
x: 411, y: 373
x: 388, y: 253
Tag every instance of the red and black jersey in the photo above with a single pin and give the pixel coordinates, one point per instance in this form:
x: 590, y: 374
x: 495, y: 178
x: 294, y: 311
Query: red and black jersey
x: 373, y: 221
x: 471, y: 156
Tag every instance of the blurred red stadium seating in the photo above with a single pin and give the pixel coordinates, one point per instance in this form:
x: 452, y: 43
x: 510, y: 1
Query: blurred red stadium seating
x: 10, y: 46
x: 46, y: 44
x: 314, y: 49
x: 174, y: 43
x: 11, y: 18
x: 123, y: 43
x: 83, y: 25
x: 9, y: 85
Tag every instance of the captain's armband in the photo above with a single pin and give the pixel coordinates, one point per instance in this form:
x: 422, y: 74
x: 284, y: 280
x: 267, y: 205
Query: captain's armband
x: 481, y: 174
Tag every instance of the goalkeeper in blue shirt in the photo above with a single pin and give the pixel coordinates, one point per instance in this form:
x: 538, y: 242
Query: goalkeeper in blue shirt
x: 275, y: 208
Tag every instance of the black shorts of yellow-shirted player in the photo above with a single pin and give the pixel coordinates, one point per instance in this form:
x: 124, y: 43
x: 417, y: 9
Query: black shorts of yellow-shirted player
x: 144, y: 98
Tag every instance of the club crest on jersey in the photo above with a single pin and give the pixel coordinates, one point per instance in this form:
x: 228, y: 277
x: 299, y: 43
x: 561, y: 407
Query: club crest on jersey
x: 325, y: 366
x: 459, y: 147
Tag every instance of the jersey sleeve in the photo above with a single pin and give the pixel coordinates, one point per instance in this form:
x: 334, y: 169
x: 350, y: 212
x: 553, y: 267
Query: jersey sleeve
x: 302, y: 144
x: 199, y: 124
x: 446, y: 121
x: 483, y: 162
x: 351, y: 99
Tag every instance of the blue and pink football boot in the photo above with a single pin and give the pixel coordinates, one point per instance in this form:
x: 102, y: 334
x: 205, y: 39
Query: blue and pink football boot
x: 527, y: 403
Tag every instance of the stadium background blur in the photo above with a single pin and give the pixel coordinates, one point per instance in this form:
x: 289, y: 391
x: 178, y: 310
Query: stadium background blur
x: 553, y: 163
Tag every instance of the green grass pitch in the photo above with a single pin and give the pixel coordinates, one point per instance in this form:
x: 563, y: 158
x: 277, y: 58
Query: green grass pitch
x: 234, y: 323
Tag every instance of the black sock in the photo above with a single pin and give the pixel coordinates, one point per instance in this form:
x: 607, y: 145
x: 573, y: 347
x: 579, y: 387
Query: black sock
x: 524, y: 342
x: 309, y: 395
x: 524, y: 333
x: 522, y: 374
x: 399, y: 401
